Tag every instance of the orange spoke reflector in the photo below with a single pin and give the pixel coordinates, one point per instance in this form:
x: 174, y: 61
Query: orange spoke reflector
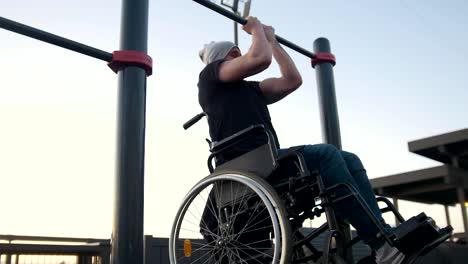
x: 187, y: 248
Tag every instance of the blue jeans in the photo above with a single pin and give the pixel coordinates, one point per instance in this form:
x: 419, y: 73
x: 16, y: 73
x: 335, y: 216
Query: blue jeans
x: 336, y: 166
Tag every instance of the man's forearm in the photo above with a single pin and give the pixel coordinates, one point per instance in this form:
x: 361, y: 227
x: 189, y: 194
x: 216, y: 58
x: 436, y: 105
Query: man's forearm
x: 287, y: 66
x: 260, y: 46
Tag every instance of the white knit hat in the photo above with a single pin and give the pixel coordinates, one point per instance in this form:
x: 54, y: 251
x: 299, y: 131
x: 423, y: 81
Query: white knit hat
x: 215, y: 51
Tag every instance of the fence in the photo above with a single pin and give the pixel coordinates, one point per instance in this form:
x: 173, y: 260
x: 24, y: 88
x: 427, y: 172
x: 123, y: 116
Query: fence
x: 53, y: 250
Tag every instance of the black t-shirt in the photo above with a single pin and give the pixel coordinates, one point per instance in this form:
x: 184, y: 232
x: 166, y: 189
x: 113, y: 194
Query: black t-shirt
x: 232, y: 106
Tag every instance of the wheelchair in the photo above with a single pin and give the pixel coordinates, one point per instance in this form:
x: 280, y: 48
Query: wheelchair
x: 251, y: 209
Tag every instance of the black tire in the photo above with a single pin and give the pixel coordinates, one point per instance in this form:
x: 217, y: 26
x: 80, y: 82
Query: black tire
x: 332, y: 260
x: 367, y: 260
x: 336, y: 260
x: 230, y: 243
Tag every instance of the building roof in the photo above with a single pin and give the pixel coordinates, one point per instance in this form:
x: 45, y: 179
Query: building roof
x: 443, y: 147
x: 435, y: 185
x: 432, y: 185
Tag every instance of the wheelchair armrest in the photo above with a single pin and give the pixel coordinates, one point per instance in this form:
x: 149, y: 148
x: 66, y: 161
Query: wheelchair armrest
x: 390, y: 208
x: 292, y: 153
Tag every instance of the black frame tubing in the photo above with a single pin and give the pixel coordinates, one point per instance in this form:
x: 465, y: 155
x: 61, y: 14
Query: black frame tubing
x: 53, y: 39
x: 127, y: 234
x: 243, y: 21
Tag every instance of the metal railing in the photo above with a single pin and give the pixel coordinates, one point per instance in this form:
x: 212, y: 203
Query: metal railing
x: 53, y: 250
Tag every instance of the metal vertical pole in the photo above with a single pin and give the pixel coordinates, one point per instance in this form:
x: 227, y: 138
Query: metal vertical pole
x: 460, y: 194
x: 236, y: 40
x: 329, y: 114
x: 235, y: 8
x: 447, y: 215
x: 127, y: 234
x: 397, y: 207
x: 327, y: 97
x: 462, y: 200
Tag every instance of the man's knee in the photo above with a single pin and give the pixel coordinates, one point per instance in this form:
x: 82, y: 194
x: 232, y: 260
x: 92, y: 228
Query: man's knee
x: 324, y: 152
x: 352, y: 161
x: 349, y: 156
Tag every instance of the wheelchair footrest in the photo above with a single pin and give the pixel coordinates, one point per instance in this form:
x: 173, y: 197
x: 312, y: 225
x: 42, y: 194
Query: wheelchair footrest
x: 418, y: 233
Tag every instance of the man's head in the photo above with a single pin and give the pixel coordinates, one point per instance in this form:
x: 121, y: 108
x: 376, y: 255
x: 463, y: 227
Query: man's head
x: 218, y: 50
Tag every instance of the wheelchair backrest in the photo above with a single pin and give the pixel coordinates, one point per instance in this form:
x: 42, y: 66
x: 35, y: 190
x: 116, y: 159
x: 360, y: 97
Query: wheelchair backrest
x: 263, y: 155
x: 260, y: 161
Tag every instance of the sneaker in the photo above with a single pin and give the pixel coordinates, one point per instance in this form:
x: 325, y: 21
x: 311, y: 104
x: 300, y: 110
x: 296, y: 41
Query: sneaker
x: 389, y: 255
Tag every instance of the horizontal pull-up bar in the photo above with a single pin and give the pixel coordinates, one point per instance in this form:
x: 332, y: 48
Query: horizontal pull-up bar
x: 54, y: 39
x: 243, y: 21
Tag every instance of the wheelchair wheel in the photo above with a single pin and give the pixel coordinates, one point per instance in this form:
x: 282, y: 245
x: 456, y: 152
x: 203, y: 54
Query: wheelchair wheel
x: 231, y: 217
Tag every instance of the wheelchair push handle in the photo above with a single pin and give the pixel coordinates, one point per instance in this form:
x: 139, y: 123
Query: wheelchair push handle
x: 193, y: 120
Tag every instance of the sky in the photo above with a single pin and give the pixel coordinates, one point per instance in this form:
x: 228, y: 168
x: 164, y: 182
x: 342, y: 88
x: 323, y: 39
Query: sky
x: 400, y: 76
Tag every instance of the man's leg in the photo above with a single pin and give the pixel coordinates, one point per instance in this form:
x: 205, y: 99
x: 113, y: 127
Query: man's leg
x: 356, y: 168
x: 327, y: 159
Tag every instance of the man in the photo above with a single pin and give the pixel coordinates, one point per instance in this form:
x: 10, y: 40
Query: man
x: 232, y: 104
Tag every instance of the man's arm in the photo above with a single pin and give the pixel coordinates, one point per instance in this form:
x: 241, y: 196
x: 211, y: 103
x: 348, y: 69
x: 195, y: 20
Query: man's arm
x: 275, y: 89
x: 257, y: 59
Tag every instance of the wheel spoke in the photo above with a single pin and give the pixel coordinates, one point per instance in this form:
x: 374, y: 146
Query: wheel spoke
x: 254, y: 258
x: 229, y: 218
x: 251, y: 219
x: 239, y: 204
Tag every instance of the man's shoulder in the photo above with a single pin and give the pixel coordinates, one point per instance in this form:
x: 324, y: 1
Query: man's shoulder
x: 210, y: 71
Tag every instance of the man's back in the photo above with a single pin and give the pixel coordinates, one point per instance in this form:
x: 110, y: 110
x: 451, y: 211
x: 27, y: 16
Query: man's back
x: 232, y: 106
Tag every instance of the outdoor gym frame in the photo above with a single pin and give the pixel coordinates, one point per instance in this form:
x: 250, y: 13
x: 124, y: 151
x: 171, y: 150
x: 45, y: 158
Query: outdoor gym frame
x: 133, y: 65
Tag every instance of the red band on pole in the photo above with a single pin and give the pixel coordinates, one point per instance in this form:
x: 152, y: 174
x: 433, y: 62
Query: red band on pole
x: 321, y: 57
x: 124, y: 58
